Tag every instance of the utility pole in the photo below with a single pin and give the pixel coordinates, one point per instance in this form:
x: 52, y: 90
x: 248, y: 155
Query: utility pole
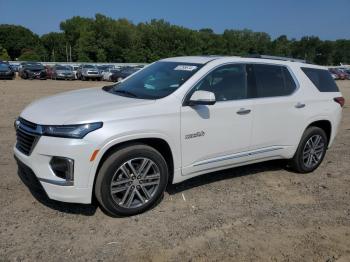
x: 66, y: 52
x: 70, y: 52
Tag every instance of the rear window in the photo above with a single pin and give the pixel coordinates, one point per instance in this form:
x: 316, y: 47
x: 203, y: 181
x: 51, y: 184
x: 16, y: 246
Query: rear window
x: 322, y: 79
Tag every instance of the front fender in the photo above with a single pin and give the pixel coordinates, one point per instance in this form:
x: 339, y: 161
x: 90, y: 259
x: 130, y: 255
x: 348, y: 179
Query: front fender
x: 129, y: 138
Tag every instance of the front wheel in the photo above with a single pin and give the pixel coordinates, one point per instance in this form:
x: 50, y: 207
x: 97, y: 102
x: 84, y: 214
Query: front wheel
x: 311, y: 150
x: 131, y: 180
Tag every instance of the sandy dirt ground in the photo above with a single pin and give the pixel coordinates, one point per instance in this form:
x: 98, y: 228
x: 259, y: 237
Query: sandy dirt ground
x: 260, y: 212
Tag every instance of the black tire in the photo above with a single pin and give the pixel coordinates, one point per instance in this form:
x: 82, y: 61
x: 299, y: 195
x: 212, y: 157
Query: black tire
x: 297, y: 163
x: 113, y: 163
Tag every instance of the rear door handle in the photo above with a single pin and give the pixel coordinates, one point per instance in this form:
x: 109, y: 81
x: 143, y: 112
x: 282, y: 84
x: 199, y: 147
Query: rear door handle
x: 243, y: 111
x: 299, y: 105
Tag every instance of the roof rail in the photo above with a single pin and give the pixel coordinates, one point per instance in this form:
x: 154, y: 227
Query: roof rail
x: 277, y: 58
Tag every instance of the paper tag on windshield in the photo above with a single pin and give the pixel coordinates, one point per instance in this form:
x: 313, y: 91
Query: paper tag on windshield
x: 185, y: 68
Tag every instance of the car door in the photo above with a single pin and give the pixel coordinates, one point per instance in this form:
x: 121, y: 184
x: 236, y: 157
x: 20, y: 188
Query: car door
x: 278, y: 108
x: 213, y: 135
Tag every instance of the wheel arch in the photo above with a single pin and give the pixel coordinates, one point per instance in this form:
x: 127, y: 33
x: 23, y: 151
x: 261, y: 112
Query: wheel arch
x: 160, y: 144
x: 325, y: 125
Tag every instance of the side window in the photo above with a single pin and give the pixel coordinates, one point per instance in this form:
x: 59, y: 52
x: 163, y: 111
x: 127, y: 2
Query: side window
x: 322, y: 79
x: 227, y: 83
x: 273, y: 80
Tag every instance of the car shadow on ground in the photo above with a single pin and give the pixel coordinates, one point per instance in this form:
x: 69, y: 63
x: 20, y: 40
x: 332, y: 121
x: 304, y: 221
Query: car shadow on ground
x: 69, y: 208
x: 226, y: 174
x: 90, y: 209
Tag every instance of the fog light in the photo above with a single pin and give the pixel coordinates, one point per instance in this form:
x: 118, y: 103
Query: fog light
x: 63, y: 167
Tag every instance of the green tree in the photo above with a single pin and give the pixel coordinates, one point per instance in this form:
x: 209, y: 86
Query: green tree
x: 103, y: 39
x: 3, y: 54
x: 16, y: 38
x: 29, y: 55
x: 55, y: 45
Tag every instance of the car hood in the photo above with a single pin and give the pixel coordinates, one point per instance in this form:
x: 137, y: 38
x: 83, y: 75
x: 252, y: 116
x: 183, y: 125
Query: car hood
x: 64, y: 72
x: 80, y: 106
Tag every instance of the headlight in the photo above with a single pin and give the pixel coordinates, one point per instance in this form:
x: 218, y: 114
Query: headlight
x: 71, y: 131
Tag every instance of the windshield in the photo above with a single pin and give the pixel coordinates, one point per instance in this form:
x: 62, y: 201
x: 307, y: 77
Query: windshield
x: 103, y: 67
x: 34, y: 66
x: 130, y: 70
x: 63, y: 68
x: 89, y: 66
x: 4, y: 67
x: 156, y: 81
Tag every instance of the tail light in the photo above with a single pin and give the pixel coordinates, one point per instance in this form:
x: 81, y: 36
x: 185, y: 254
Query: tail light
x: 339, y: 100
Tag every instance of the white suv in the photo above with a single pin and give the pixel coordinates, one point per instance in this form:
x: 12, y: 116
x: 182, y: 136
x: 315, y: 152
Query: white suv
x: 173, y: 120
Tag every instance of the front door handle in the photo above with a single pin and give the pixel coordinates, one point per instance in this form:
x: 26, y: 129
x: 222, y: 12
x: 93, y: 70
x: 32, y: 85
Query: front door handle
x: 299, y: 105
x: 243, y: 111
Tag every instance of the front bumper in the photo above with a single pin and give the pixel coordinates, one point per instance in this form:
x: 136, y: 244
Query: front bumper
x: 32, y: 75
x: 37, y: 168
x: 65, y: 77
x: 6, y: 76
x: 92, y: 75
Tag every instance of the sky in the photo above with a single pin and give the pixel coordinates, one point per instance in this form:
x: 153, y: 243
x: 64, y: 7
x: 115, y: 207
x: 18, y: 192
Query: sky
x: 327, y: 19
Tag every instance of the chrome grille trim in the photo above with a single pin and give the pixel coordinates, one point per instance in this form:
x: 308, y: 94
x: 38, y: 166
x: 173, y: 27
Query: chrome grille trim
x: 27, y: 134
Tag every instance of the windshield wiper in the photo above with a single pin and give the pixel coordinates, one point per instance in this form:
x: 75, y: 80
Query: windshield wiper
x: 128, y: 93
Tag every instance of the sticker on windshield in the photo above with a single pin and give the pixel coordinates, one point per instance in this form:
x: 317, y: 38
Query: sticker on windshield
x: 185, y: 68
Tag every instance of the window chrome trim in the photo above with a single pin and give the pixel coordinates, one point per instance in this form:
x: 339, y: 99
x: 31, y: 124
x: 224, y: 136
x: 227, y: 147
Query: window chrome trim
x: 297, y: 84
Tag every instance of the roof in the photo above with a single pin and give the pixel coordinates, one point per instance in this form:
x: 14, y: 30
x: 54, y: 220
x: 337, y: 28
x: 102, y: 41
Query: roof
x: 235, y: 59
x: 192, y: 59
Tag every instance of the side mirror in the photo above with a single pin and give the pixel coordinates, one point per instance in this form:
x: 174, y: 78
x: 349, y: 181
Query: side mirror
x: 202, y: 98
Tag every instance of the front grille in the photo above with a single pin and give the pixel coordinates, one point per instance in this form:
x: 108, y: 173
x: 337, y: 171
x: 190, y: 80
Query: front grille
x: 25, y: 139
x: 28, y: 124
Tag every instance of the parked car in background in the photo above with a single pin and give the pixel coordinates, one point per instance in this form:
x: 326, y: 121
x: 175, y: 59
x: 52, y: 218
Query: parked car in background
x: 123, y: 73
x: 14, y: 67
x: 64, y: 72
x: 341, y: 75
x: 32, y: 70
x: 6, y: 71
x: 106, y: 75
x: 104, y: 68
x: 87, y: 72
x: 346, y: 71
x: 335, y: 77
x: 48, y: 71
x: 75, y: 70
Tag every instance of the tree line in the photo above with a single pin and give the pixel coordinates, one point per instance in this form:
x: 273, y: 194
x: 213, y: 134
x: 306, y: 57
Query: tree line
x: 103, y: 39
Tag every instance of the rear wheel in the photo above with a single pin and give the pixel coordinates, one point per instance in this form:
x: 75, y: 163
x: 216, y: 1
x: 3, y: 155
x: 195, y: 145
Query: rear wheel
x: 311, y: 150
x: 131, y: 180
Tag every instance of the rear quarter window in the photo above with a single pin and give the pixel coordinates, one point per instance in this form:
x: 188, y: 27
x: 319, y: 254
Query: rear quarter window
x: 321, y: 78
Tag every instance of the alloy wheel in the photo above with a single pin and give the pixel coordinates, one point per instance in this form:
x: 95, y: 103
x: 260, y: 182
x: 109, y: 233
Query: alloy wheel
x: 313, y: 151
x: 135, y: 182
